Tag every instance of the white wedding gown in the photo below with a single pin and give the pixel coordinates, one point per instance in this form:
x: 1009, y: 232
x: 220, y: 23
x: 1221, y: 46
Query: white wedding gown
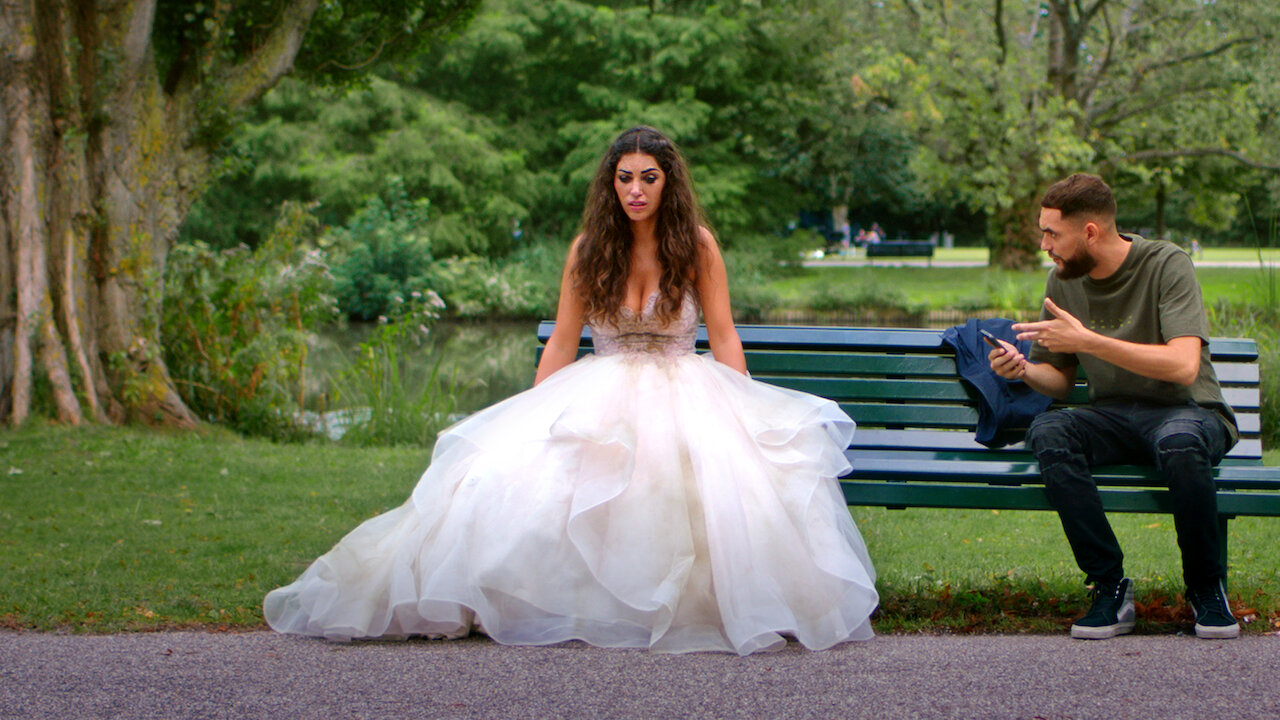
x: 644, y: 496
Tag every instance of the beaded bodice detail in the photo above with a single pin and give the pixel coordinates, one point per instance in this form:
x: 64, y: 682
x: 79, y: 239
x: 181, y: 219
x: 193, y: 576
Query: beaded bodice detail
x: 644, y: 333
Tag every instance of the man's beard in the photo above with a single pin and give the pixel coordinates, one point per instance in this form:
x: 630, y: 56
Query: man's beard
x: 1079, y: 265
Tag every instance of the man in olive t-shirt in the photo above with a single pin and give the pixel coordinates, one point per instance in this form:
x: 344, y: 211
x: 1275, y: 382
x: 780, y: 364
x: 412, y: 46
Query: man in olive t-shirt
x: 1129, y: 312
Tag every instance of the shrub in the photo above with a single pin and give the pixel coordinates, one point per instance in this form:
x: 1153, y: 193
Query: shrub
x: 1260, y: 320
x: 751, y: 264
x: 236, y: 323
x: 383, y: 253
x: 866, y: 297
x: 476, y: 287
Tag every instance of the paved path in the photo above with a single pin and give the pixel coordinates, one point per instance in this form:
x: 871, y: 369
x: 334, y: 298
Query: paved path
x: 194, y: 675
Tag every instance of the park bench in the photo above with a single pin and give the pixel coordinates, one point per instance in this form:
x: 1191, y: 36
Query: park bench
x: 915, y: 445
x: 900, y: 248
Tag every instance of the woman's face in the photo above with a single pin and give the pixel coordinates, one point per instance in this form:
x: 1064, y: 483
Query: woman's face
x: 639, y: 180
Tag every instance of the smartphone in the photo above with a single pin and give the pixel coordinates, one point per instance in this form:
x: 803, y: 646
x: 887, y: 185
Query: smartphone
x: 991, y: 339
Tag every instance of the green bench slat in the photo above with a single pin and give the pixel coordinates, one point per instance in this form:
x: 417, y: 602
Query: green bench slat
x: 873, y: 388
x: 906, y: 416
x: 1021, y: 469
x: 953, y: 390
x: 879, y: 438
x: 959, y: 417
x: 991, y: 497
x: 761, y: 362
x: 1237, y: 373
x: 833, y: 364
x: 878, y: 340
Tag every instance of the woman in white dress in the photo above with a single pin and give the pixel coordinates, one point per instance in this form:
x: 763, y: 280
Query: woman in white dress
x: 643, y: 496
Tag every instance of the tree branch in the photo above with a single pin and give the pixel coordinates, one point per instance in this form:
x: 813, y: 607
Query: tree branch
x: 1086, y: 15
x: 915, y: 14
x: 1239, y: 157
x: 130, y: 32
x: 999, y: 20
x: 445, y: 21
x: 1085, y: 94
x: 1095, y: 118
x: 1203, y: 55
x: 251, y: 79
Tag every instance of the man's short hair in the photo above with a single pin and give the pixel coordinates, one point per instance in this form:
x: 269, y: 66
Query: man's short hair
x: 1080, y: 194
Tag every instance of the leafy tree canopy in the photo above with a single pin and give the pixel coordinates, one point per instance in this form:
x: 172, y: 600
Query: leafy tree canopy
x: 1006, y: 96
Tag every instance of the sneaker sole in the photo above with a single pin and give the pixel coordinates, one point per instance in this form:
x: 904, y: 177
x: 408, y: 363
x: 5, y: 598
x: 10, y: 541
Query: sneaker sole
x: 1082, y: 632
x: 1217, y: 632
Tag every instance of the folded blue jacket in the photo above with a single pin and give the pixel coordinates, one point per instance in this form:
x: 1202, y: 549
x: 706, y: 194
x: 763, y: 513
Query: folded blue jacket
x: 1008, y: 406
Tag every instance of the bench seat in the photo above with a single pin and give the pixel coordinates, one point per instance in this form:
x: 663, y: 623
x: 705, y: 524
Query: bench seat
x: 915, y: 447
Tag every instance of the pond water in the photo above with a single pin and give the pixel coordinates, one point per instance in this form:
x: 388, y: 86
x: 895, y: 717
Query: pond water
x: 485, y: 361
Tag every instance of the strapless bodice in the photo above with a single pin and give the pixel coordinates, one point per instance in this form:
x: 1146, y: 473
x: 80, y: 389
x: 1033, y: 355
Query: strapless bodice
x: 645, y: 333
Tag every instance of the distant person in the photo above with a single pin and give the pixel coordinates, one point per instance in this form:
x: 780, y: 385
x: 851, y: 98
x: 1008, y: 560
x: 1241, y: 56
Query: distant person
x: 642, y: 496
x: 1128, y: 311
x: 1196, y: 250
x: 877, y: 233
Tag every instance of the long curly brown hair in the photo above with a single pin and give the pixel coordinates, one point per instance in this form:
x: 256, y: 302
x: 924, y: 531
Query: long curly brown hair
x: 604, y: 253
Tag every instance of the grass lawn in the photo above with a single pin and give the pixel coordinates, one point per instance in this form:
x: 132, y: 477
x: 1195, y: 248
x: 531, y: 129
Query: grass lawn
x: 1211, y: 255
x: 981, y: 287
x: 106, y: 529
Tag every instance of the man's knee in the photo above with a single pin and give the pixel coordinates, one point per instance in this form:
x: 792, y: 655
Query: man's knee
x: 1050, y: 432
x: 1182, y: 440
x: 1054, y: 440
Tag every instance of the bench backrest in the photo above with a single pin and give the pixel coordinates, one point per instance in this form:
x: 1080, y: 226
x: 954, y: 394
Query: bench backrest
x: 901, y: 386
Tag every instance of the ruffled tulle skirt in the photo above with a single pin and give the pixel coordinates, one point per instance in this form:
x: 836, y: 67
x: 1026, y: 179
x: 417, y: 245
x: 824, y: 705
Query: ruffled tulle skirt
x: 627, y: 501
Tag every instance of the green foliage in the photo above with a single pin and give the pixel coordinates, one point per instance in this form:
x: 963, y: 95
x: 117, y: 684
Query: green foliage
x: 750, y: 266
x: 380, y: 407
x: 236, y: 324
x: 380, y: 139
x: 382, y: 256
x: 1015, y: 294
x: 1258, y: 318
x: 525, y: 286
x: 747, y: 89
x: 1007, y: 97
x: 868, y: 296
x: 344, y: 37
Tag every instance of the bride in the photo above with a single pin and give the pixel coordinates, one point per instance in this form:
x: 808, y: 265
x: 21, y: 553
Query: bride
x: 643, y: 496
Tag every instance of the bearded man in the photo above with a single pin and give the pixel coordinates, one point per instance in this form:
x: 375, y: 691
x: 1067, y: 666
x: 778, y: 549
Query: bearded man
x: 1128, y: 311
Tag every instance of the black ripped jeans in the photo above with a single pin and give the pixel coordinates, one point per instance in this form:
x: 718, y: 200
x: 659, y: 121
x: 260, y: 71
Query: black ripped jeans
x: 1183, y: 442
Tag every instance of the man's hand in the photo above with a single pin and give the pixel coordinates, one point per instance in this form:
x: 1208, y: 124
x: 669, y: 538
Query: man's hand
x: 1063, y: 334
x: 1007, y: 362
x: 1176, y: 361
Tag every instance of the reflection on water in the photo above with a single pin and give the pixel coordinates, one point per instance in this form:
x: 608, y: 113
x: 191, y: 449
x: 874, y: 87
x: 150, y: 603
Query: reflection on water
x: 488, y: 361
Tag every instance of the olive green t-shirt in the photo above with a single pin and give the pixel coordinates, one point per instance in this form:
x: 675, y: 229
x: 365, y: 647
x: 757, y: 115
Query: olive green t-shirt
x: 1150, y: 299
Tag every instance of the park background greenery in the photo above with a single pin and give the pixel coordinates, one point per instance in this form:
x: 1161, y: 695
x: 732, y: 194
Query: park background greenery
x: 446, y: 186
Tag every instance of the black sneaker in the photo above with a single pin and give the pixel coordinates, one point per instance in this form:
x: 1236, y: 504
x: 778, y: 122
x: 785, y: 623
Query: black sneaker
x: 1111, y: 613
x: 1214, y: 620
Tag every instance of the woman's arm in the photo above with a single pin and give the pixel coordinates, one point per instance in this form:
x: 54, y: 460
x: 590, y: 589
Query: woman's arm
x: 712, y: 284
x: 562, y: 347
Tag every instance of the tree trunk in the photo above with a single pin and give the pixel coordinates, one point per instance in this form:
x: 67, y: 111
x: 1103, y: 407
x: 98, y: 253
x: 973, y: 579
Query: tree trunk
x: 1015, y: 236
x: 99, y: 165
